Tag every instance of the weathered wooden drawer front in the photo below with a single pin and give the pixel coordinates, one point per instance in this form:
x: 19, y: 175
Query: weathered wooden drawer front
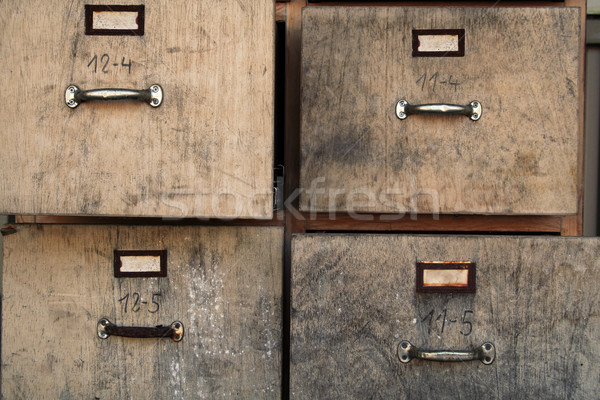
x: 520, y: 64
x: 354, y: 302
x: 223, y: 284
x: 206, y: 151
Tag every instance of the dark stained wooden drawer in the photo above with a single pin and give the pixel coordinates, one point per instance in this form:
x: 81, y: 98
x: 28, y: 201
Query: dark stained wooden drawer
x: 520, y: 64
x: 222, y: 283
x: 354, y: 302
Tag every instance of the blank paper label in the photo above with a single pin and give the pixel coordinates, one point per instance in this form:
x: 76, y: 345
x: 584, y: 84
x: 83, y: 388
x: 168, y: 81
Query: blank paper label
x: 438, y: 43
x: 115, y: 20
x: 445, y: 277
x: 140, y: 264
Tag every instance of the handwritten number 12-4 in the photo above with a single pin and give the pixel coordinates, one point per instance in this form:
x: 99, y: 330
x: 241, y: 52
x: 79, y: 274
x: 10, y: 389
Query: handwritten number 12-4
x: 103, y: 64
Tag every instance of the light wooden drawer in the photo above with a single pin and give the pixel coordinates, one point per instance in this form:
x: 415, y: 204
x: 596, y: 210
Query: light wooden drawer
x: 223, y: 284
x: 520, y: 64
x: 354, y: 302
x: 206, y: 151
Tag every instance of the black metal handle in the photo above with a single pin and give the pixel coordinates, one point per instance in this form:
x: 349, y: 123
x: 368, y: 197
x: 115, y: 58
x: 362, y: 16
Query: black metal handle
x: 174, y: 331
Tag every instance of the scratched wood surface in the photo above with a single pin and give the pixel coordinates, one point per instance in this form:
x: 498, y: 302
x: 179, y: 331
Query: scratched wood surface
x: 521, y: 157
x: 354, y: 301
x: 223, y: 283
x: 206, y: 151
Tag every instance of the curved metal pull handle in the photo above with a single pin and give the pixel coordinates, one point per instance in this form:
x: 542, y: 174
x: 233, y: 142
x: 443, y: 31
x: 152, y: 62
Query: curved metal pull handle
x: 174, y: 331
x: 472, y: 110
x: 486, y: 353
x: 75, y: 96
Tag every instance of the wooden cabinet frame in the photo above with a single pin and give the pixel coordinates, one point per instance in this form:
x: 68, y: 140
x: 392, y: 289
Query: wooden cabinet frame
x: 296, y: 222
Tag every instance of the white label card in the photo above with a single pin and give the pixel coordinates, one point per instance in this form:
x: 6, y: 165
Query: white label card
x: 438, y: 43
x: 445, y: 277
x: 140, y: 263
x: 115, y: 20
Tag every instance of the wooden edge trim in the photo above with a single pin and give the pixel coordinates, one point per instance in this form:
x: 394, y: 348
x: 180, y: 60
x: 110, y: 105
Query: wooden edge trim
x: 514, y: 3
x: 573, y: 225
x: 277, y: 220
x: 431, y: 223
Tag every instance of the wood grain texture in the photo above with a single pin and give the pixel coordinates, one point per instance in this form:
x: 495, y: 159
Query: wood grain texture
x: 521, y: 157
x: 223, y: 283
x: 206, y: 151
x: 354, y: 301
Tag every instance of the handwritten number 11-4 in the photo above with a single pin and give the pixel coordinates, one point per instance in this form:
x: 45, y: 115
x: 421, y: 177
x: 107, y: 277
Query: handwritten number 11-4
x: 435, y: 81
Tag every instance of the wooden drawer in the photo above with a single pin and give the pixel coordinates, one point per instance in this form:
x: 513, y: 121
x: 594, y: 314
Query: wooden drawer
x: 520, y: 64
x: 222, y: 283
x: 354, y: 302
x: 206, y: 151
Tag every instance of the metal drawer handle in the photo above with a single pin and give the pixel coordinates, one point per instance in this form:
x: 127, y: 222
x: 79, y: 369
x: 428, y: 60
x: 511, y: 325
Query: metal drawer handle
x: 472, y: 110
x: 173, y: 331
x: 75, y: 96
x: 486, y: 353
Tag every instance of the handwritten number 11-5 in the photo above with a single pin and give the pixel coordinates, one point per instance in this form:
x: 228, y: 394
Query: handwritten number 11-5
x: 467, y: 325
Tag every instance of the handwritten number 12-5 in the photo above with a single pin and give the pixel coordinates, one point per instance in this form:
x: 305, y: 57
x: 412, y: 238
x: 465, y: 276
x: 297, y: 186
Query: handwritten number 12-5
x: 137, y: 302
